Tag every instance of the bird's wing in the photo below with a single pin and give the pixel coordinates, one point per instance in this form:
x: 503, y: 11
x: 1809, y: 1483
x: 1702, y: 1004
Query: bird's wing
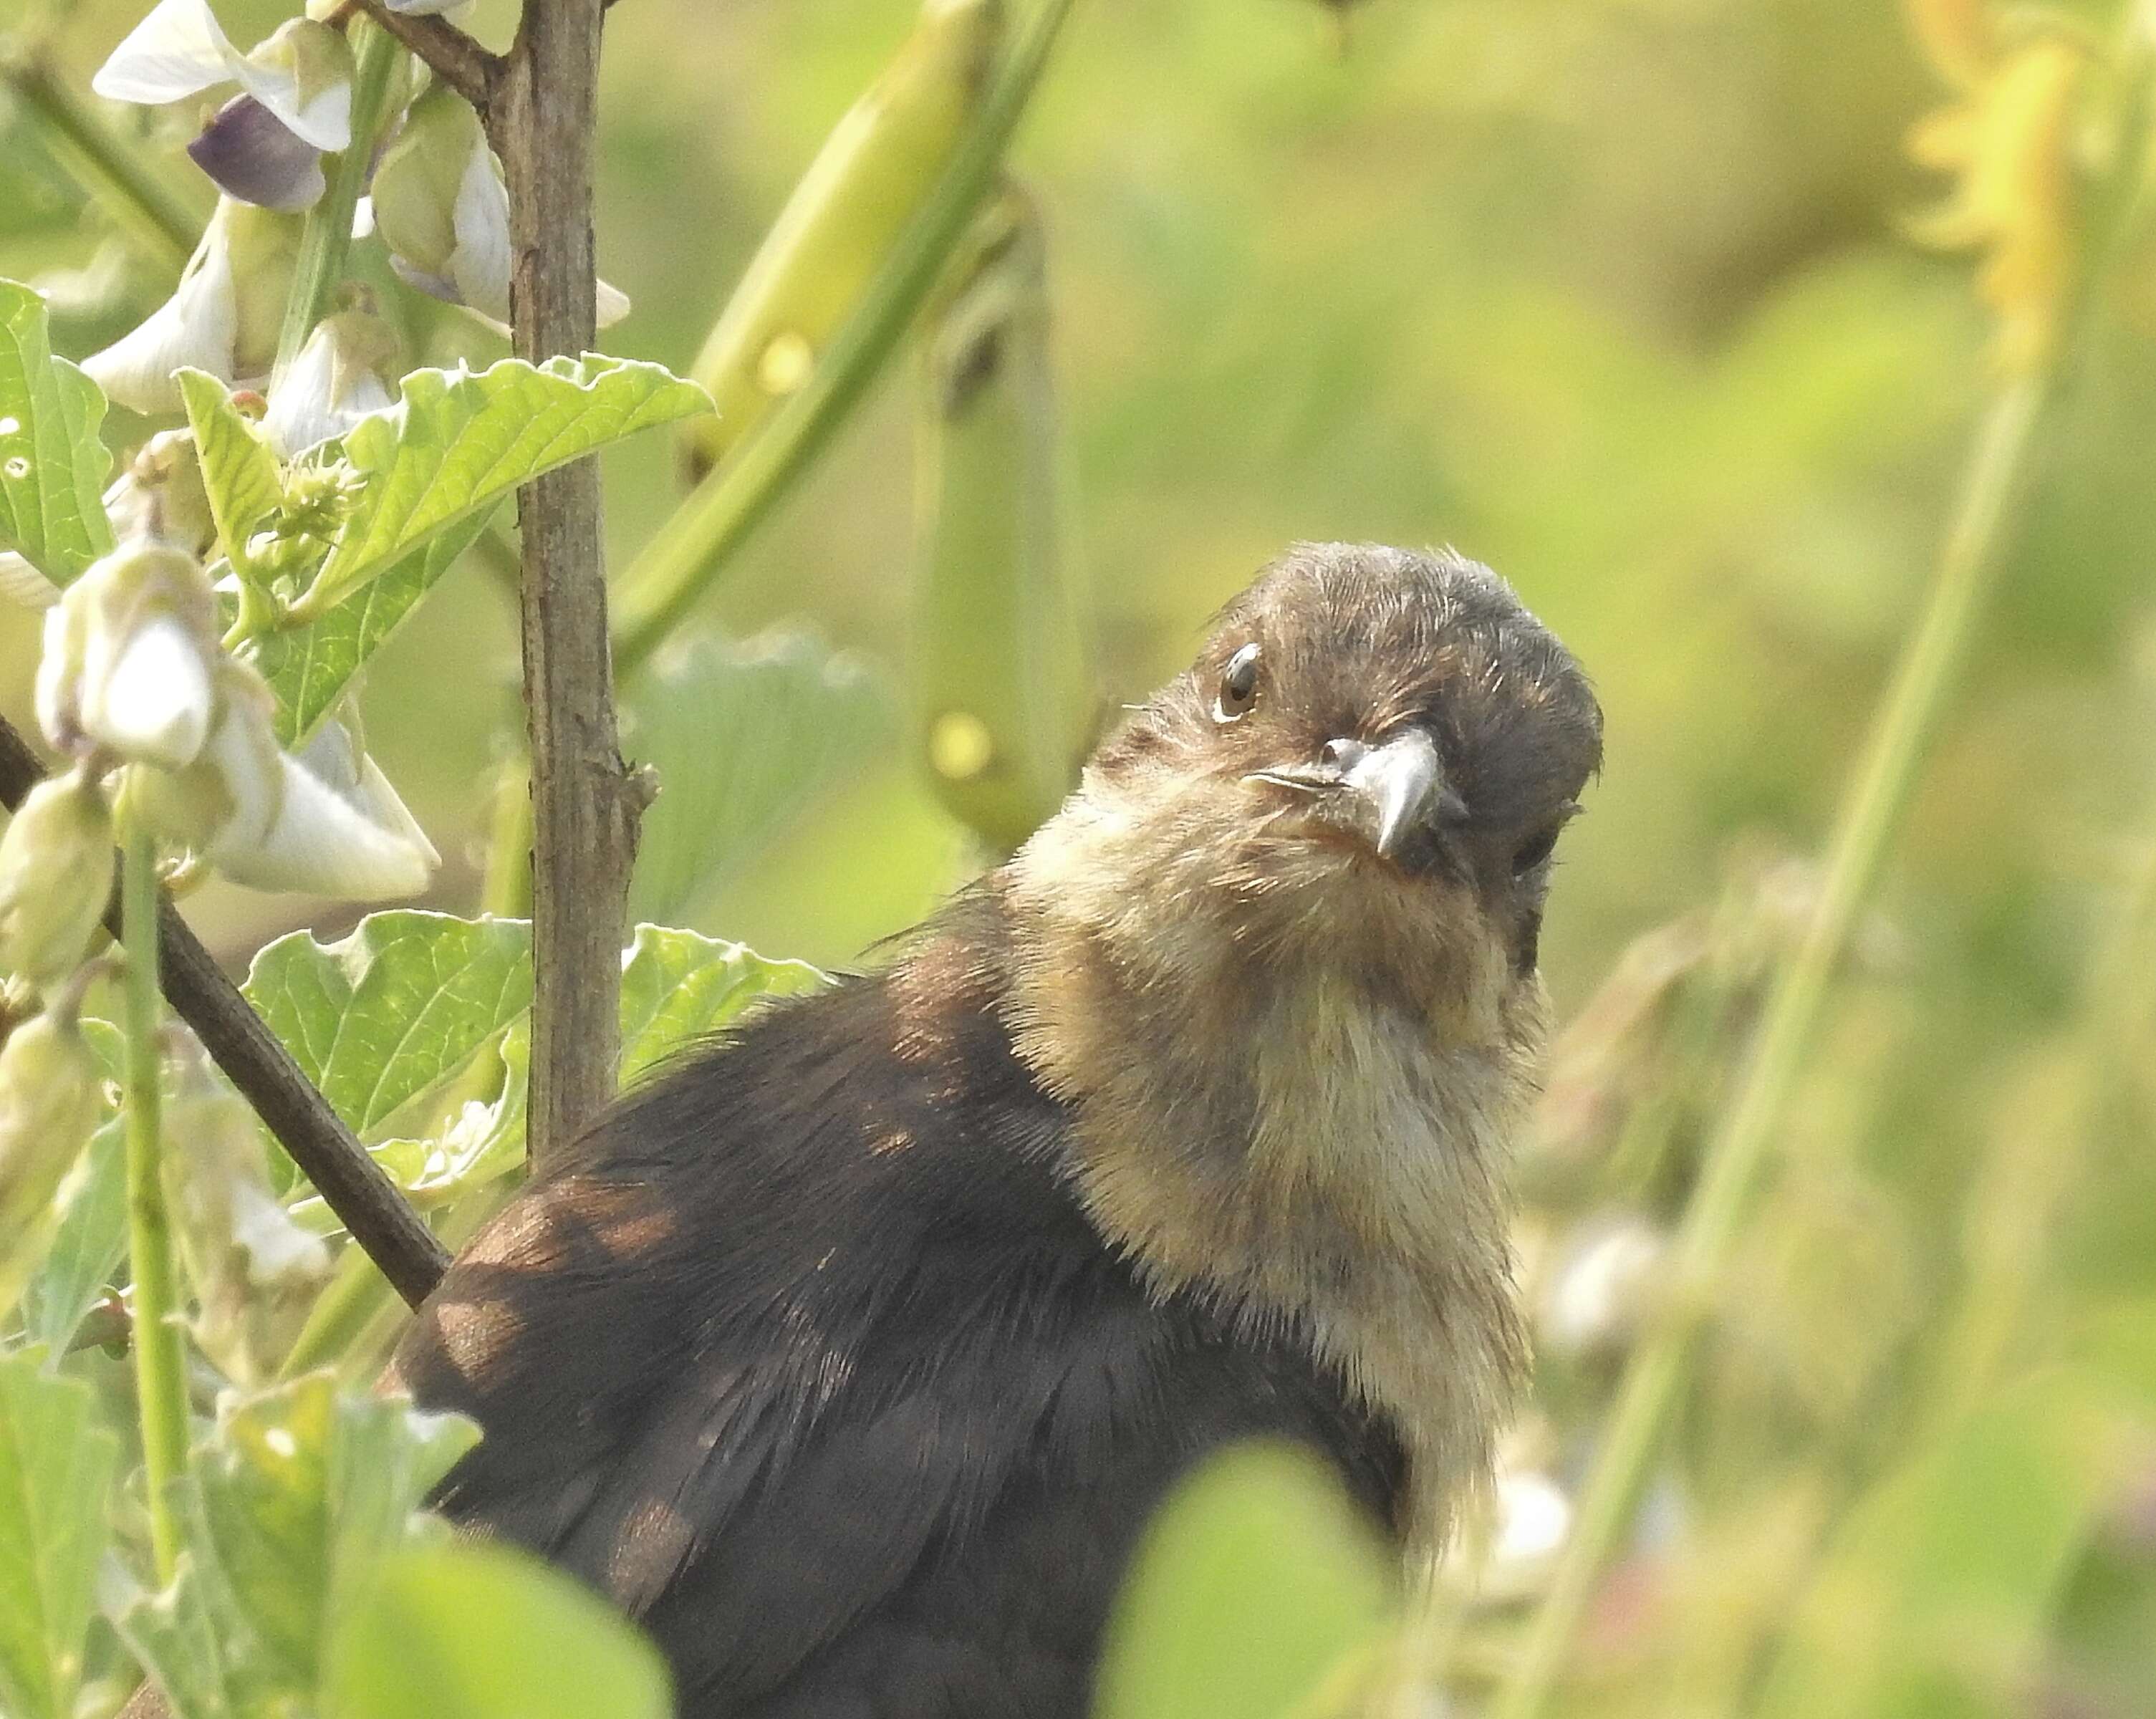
x: 755, y: 1486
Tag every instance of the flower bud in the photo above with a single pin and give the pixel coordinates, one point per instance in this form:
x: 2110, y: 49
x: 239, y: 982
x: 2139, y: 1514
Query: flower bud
x: 49, y: 1098
x: 248, y: 1262
x: 441, y: 205
x: 55, y: 878
x: 335, y: 381
x: 1533, y: 1517
x: 223, y: 317
x: 129, y: 654
x: 161, y: 495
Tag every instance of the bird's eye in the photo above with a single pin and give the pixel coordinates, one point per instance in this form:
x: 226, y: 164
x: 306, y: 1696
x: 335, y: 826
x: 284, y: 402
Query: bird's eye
x: 1239, y: 684
x: 1533, y: 851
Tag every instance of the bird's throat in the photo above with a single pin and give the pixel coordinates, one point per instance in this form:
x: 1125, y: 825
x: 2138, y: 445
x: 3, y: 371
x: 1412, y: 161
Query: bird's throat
x: 1314, y: 1148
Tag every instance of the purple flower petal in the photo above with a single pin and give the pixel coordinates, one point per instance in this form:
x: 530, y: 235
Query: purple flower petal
x: 435, y: 286
x: 254, y: 155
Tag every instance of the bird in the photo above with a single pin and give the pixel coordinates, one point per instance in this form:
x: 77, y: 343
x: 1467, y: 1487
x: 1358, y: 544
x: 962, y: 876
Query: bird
x: 851, y: 1356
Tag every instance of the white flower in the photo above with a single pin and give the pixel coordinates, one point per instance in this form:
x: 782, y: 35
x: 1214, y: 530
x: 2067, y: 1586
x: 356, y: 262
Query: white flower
x: 253, y: 1268
x: 302, y: 74
x: 223, y: 317
x: 333, y: 382
x: 1604, y: 1285
x: 327, y: 823
x: 128, y: 658
x: 441, y: 205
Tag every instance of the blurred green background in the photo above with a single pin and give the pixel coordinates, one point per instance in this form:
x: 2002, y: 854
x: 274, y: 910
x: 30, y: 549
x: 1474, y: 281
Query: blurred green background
x: 1610, y: 296
x: 1613, y: 295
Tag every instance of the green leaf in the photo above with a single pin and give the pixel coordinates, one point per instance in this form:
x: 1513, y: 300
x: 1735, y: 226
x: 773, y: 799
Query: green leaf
x: 742, y: 736
x: 387, y: 1457
x: 301, y: 1492
x: 56, y: 1469
x: 1255, y: 1589
x: 455, y: 442
x: 396, y: 1007
x: 309, y: 667
x: 187, y: 1646
x: 292, y: 1501
x: 239, y: 470
x: 474, y: 1631
x: 53, y: 466
x: 86, y: 1247
x: 262, y: 1485
x: 678, y: 988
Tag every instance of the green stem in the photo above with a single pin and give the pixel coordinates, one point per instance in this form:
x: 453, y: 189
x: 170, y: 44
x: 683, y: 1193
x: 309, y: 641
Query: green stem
x: 1872, y: 812
x: 677, y: 565
x: 160, y: 1379
x: 327, y: 236
x: 505, y: 891
x: 1736, y: 1155
x: 106, y: 166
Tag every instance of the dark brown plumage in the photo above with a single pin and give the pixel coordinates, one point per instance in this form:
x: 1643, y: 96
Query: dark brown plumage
x: 852, y: 1355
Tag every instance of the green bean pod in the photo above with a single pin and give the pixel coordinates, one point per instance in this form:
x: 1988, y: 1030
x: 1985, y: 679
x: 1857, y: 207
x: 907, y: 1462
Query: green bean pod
x: 1003, y: 705
x: 878, y: 165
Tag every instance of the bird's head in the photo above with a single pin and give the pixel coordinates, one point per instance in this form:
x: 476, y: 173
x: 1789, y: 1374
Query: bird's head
x: 1366, y: 769
x: 1278, y: 952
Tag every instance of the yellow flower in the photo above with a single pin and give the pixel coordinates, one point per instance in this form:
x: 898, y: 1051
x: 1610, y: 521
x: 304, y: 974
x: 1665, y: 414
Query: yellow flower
x: 2009, y: 143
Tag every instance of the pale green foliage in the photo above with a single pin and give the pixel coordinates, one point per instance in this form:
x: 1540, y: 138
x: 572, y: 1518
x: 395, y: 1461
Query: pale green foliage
x: 239, y: 468
x: 53, y: 466
x: 457, y: 442
x: 397, y: 1007
x: 798, y: 719
x: 1932, y: 1595
x: 56, y: 1471
x: 375, y: 520
x: 678, y: 988
x: 549, y: 1649
x: 1254, y: 1590
x: 91, y: 1236
x: 309, y: 667
x: 293, y: 1501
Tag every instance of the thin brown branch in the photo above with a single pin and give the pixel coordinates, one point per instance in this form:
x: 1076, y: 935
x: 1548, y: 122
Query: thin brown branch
x: 240, y: 1043
x: 447, y: 51
x: 542, y: 121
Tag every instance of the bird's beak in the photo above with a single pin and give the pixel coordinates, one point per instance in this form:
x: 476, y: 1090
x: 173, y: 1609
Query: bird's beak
x: 1397, y: 799
x: 1394, y: 799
